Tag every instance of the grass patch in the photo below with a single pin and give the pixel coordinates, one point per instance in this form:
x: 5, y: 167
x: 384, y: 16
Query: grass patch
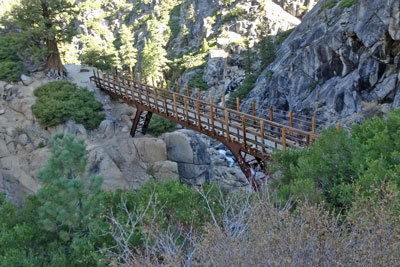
x: 197, y: 81
x: 159, y: 125
x: 60, y: 101
x: 348, y: 3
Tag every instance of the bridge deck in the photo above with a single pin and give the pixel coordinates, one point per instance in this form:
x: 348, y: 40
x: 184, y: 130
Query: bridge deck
x: 240, y: 132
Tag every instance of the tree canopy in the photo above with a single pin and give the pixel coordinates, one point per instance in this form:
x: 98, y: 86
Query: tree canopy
x: 43, y: 25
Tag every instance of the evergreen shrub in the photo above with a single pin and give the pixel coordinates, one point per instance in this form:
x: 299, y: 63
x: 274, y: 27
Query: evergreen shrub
x: 159, y: 125
x: 60, y: 101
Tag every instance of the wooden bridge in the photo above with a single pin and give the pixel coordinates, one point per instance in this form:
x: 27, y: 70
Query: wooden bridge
x: 251, y: 139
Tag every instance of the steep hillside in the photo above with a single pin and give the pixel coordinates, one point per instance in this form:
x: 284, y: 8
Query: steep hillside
x: 342, y: 60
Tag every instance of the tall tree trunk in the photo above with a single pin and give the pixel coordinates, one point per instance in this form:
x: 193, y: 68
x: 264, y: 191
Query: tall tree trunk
x: 54, y: 65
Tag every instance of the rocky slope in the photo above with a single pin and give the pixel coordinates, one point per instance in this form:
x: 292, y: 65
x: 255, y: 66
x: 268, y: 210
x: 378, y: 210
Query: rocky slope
x: 122, y: 161
x: 340, y: 63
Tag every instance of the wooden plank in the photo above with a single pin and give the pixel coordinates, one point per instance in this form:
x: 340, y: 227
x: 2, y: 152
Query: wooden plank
x: 198, y: 115
x: 132, y: 86
x: 283, y: 138
x: 338, y: 126
x: 198, y: 93
x: 168, y: 86
x: 139, y: 86
x: 244, y: 144
x: 147, y: 96
x: 187, y: 91
x: 186, y: 110
x: 223, y: 101
x: 291, y: 121
x: 313, y: 125
x: 253, y: 108
x: 108, y: 82
x: 262, y: 135
x: 125, y: 89
x: 113, y: 83
x: 212, y: 114
x: 227, y: 125
x: 238, y: 104
x: 155, y: 98
x: 119, y: 84
x: 165, y: 103
x: 175, y: 109
x: 271, y: 114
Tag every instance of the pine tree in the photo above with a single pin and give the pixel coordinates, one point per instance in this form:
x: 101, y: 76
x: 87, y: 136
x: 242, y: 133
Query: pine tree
x: 267, y: 51
x: 127, y: 50
x: 154, y: 55
x: 248, y: 57
x: 69, y: 199
x: 43, y: 25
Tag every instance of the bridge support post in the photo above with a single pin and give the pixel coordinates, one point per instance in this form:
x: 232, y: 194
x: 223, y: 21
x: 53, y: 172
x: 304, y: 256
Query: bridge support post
x: 244, y: 166
x: 141, y: 121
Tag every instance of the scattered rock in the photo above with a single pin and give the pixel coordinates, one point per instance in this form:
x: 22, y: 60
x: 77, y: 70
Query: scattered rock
x: 26, y: 80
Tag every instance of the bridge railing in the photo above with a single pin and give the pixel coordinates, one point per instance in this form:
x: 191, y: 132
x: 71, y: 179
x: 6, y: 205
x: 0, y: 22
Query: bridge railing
x: 248, y: 130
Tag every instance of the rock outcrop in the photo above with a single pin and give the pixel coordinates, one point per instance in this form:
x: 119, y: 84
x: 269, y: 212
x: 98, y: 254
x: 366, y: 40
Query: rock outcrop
x: 122, y: 161
x: 336, y: 62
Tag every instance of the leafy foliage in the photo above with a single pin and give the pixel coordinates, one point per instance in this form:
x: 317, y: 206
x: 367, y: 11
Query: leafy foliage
x: 44, y: 24
x: 59, y: 101
x: 197, y: 81
x: 127, y: 50
x: 10, y: 71
x: 10, y: 64
x: 159, y: 125
x: 340, y: 162
x: 58, y: 226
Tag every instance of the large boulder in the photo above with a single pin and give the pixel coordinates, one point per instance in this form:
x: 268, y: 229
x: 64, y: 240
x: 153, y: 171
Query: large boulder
x: 151, y: 149
x: 164, y: 170
x: 190, y: 152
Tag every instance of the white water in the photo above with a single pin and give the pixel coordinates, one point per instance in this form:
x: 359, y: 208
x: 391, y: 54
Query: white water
x: 228, y: 158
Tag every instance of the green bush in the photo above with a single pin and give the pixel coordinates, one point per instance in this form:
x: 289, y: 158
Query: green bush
x: 10, y: 64
x: 340, y: 163
x: 10, y: 71
x: 348, y: 3
x: 197, y: 81
x: 59, y: 101
x: 159, y: 125
x: 99, y: 59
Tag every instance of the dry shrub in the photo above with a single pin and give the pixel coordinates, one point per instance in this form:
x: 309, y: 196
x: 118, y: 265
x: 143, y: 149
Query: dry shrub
x: 254, y: 232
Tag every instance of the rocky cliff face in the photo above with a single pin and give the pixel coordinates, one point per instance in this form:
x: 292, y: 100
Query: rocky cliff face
x: 339, y: 62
